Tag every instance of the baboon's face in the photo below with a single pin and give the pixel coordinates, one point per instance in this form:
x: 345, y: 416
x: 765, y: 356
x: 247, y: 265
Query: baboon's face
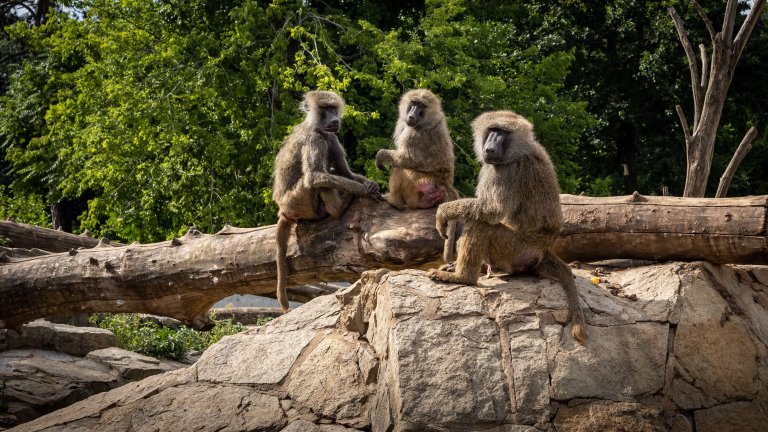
x: 329, y: 118
x: 415, y: 114
x: 494, y: 146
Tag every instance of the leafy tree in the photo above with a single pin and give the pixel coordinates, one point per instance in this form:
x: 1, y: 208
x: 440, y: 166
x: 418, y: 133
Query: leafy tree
x: 168, y: 114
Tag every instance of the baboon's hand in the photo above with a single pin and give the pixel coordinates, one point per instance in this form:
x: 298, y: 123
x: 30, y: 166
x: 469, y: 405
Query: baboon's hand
x: 372, y: 187
x: 373, y: 190
x: 380, y: 160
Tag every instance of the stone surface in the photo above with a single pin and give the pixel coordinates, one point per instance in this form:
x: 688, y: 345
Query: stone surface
x: 671, y: 347
x: 76, y: 341
x: 602, y: 416
x: 732, y: 417
x: 130, y: 365
x: 252, y: 358
x: 619, y: 362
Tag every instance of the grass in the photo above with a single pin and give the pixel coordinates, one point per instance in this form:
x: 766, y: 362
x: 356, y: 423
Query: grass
x: 151, y: 339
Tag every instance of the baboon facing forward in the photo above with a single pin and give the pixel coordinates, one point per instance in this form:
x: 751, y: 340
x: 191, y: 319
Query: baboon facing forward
x: 423, y: 161
x: 312, y: 177
x: 515, y: 217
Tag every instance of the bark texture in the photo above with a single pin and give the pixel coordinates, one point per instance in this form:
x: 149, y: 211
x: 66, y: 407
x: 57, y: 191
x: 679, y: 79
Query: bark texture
x: 182, y: 278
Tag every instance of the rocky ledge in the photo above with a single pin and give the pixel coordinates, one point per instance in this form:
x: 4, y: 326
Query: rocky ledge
x: 672, y: 347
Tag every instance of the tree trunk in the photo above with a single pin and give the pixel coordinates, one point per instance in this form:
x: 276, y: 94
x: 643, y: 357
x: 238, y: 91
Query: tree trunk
x: 182, y: 278
x: 26, y: 236
x: 710, y: 87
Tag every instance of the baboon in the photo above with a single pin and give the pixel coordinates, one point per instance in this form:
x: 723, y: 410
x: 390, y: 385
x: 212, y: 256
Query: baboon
x: 312, y: 177
x: 423, y: 162
x: 515, y: 217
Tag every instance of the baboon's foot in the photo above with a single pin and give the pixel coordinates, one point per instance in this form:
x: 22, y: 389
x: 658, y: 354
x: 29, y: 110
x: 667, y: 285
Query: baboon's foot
x: 449, y: 267
x: 452, y: 277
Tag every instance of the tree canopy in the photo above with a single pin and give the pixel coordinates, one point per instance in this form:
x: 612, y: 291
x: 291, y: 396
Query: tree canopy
x: 144, y: 118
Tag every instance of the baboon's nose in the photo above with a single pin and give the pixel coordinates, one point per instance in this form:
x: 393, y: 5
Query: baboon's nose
x: 334, y: 124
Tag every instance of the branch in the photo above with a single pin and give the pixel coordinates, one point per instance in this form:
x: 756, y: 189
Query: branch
x: 698, y: 98
x: 705, y: 18
x: 704, y: 69
x: 684, y: 124
x: 731, y: 9
x: 738, y: 156
x: 746, y: 28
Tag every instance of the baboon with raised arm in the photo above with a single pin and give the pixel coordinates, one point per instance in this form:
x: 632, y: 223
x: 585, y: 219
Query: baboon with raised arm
x: 423, y: 162
x: 515, y: 217
x: 312, y: 177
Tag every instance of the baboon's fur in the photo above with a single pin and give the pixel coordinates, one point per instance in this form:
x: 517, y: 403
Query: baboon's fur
x: 423, y: 161
x: 312, y: 177
x: 515, y: 217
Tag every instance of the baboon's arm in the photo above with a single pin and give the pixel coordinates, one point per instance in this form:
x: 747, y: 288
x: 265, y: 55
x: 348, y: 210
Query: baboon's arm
x: 316, y: 176
x: 468, y: 209
x: 338, y: 159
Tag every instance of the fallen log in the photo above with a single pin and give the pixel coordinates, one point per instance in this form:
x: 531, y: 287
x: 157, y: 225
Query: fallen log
x: 183, y: 277
x: 25, y: 236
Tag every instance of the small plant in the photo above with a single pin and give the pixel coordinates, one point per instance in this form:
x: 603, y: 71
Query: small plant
x: 151, y: 339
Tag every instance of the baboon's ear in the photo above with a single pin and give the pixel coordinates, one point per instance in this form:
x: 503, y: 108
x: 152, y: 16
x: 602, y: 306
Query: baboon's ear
x: 304, y: 106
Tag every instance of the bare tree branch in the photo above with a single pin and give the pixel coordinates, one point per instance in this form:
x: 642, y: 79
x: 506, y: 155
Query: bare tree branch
x: 704, y: 68
x: 746, y: 28
x: 738, y: 156
x: 730, y: 20
x: 683, y: 35
x: 705, y: 18
x: 684, y: 124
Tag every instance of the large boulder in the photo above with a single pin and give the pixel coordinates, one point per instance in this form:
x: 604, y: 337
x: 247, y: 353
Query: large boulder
x: 672, y: 347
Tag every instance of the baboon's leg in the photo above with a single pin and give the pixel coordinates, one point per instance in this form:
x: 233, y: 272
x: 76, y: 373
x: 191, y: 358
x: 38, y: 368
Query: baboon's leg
x: 335, y: 202
x: 301, y: 203
x: 283, y: 233
x: 473, y: 250
x: 553, y: 267
x: 395, y: 196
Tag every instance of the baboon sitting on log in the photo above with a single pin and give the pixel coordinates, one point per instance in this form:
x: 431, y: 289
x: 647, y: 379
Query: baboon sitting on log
x: 423, y: 163
x: 312, y: 177
x: 516, y: 215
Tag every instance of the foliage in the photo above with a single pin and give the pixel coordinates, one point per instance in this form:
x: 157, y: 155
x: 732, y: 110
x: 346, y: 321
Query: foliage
x: 149, y: 338
x: 154, y: 116
x: 169, y: 114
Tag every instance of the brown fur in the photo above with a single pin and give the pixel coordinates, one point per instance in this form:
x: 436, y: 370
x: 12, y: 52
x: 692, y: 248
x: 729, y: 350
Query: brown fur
x: 515, y: 217
x: 312, y: 177
x: 423, y: 161
x: 423, y: 154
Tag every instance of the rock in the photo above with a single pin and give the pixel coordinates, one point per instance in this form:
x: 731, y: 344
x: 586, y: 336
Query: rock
x: 732, y: 417
x: 601, y: 416
x: 130, y: 365
x: 713, y: 344
x: 672, y: 347
x: 38, y: 381
x: 77, y: 341
x: 620, y: 362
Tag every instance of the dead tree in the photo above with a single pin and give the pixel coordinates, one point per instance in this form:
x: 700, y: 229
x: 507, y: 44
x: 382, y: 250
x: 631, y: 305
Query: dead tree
x: 183, y: 277
x: 710, y: 88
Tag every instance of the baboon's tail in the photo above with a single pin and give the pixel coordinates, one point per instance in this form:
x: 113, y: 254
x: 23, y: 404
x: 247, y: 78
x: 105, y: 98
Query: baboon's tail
x: 554, y: 268
x: 449, y: 245
x: 282, y: 234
